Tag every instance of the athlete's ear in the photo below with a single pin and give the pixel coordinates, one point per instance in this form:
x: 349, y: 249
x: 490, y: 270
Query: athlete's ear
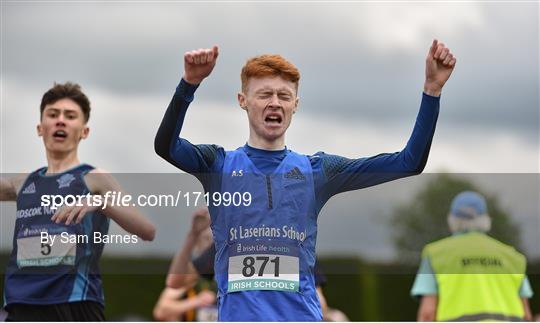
x: 296, y: 101
x: 242, y: 101
x: 85, y: 132
x: 39, y: 130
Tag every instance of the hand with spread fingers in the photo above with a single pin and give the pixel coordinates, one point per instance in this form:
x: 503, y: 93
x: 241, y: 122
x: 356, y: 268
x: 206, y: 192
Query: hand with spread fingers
x: 72, y: 214
x: 440, y: 63
x: 198, y: 64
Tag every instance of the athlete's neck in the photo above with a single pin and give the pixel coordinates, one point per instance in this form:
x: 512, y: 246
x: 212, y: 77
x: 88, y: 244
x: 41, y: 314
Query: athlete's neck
x: 58, y: 162
x: 260, y: 143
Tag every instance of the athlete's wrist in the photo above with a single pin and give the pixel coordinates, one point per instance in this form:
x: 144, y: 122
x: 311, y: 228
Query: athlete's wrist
x: 432, y: 89
x: 192, y: 81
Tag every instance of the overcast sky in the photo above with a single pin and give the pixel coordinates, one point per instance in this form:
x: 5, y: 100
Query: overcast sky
x: 362, y: 67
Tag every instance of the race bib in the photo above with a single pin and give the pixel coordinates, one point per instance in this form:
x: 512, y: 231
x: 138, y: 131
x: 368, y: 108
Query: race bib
x: 263, y: 266
x: 59, y: 249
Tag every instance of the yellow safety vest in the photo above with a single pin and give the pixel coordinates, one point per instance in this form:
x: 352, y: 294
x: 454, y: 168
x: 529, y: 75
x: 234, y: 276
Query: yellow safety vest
x: 478, y: 278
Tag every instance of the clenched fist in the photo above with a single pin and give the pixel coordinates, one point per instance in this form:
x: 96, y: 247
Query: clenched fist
x: 198, y: 64
x: 440, y: 63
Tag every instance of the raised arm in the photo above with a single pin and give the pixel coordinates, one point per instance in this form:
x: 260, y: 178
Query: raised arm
x: 182, y: 273
x: 128, y: 217
x: 179, y: 152
x: 440, y: 63
x: 343, y: 174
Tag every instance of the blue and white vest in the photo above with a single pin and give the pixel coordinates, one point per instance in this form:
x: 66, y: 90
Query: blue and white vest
x: 62, y: 272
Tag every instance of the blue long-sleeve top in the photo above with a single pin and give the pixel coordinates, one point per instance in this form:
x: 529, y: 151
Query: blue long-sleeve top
x: 332, y: 174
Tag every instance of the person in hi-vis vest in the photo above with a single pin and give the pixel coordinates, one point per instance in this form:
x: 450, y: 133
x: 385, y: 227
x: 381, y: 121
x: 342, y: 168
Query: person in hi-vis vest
x: 470, y: 276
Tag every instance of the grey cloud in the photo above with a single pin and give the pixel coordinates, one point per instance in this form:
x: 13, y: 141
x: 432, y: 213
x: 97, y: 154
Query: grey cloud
x: 361, y: 59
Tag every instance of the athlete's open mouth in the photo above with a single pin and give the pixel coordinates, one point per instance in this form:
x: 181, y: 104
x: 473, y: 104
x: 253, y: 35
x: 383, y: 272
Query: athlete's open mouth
x: 273, y: 118
x: 59, y: 134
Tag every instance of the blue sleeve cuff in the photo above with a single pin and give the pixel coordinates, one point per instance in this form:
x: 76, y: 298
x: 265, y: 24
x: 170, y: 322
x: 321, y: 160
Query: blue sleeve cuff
x: 430, y: 97
x: 186, y: 90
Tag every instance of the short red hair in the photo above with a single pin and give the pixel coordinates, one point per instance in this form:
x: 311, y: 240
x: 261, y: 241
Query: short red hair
x: 269, y: 65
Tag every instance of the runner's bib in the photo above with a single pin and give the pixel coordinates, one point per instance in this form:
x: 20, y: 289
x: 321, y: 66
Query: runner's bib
x: 32, y: 252
x: 264, y: 266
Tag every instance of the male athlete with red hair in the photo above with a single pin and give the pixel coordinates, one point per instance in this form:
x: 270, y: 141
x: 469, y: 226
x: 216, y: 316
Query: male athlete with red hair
x: 265, y: 249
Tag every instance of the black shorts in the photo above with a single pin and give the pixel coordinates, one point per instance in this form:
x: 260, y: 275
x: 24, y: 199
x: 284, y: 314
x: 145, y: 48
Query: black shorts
x: 75, y: 311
